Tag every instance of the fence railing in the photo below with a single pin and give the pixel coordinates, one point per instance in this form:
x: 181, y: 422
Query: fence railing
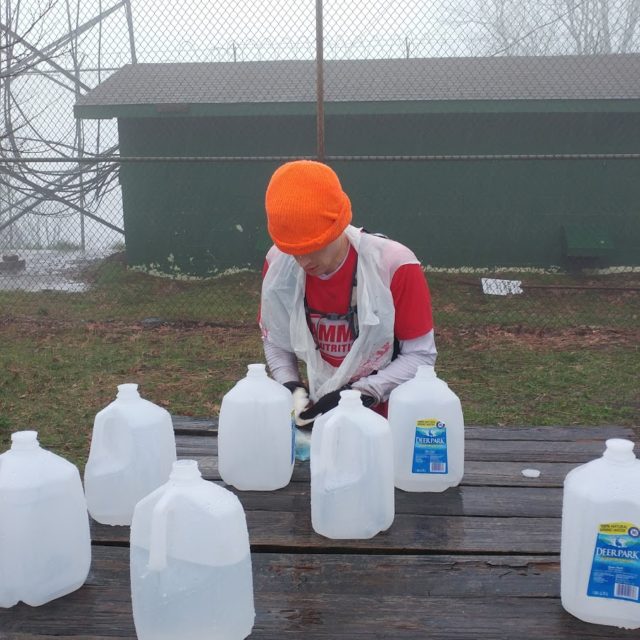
x: 498, y: 125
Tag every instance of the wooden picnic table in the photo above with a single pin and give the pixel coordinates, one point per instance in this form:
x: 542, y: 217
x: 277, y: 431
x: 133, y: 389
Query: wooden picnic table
x: 480, y: 561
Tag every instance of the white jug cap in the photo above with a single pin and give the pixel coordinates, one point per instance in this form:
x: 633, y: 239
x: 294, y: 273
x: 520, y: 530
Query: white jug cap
x: 426, y: 371
x: 257, y: 369
x: 185, y: 470
x: 619, y: 450
x: 128, y: 389
x: 24, y: 440
x: 350, y: 397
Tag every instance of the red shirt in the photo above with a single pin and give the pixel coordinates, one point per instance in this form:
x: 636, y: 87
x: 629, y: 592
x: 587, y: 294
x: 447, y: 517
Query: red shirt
x: 332, y: 295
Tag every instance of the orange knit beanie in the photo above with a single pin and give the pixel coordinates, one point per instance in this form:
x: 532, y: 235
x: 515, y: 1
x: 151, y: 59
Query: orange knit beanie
x: 306, y: 207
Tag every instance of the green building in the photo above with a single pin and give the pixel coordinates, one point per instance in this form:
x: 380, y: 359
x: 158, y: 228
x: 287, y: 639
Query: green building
x: 201, y: 218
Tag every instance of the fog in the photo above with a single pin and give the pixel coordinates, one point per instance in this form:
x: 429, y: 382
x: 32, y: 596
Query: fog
x: 38, y: 100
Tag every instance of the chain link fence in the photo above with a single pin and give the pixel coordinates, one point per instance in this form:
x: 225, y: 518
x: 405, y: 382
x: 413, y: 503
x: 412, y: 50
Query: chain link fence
x: 497, y: 138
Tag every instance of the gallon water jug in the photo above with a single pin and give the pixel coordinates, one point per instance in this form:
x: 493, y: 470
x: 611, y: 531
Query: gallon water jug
x: 352, y: 494
x: 256, y: 441
x: 132, y: 450
x: 45, y: 546
x: 600, y: 550
x: 428, y: 433
x: 190, y: 562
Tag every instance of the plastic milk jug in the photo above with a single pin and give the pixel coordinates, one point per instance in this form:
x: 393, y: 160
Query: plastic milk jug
x: 600, y: 550
x: 132, y: 450
x: 256, y: 441
x: 352, y: 493
x: 428, y: 433
x: 45, y: 546
x: 190, y: 563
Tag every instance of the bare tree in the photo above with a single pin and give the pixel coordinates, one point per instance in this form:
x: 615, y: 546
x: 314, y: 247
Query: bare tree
x: 553, y: 27
x: 600, y: 26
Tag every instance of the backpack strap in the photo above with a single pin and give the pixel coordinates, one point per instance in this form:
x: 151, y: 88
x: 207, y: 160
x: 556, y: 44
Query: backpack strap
x: 352, y: 313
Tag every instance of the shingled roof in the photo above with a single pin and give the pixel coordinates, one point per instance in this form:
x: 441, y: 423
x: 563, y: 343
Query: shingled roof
x: 603, y: 77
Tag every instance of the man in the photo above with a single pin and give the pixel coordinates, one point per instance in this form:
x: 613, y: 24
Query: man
x: 353, y: 306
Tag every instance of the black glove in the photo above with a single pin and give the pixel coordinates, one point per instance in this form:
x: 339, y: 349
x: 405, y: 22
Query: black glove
x: 330, y: 401
x: 301, y: 401
x: 295, y: 384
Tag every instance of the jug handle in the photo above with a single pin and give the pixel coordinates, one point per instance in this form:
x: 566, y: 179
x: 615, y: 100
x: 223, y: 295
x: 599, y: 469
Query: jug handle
x: 330, y: 445
x: 158, y: 541
x: 104, y: 434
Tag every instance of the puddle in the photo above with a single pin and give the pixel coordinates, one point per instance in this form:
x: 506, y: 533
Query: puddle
x: 48, y: 270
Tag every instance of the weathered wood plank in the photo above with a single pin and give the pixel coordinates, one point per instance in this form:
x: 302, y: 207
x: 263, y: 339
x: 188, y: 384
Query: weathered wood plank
x: 526, y: 502
x: 285, y: 531
x: 186, y: 425
x: 438, y: 575
x: 409, y: 533
x: 507, y: 474
x: 431, y: 576
x: 531, y: 451
x: 417, y: 618
x: 190, y: 445
x: 343, y: 596
x: 27, y: 635
x: 552, y: 433
x: 527, y: 452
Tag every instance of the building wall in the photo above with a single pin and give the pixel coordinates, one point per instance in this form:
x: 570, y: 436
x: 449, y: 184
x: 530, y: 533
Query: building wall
x: 202, y: 218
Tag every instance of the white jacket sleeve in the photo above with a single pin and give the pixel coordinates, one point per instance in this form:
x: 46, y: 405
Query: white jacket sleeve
x: 413, y: 353
x: 283, y: 365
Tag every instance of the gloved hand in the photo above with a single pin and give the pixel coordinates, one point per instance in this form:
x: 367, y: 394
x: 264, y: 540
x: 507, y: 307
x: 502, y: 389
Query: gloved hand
x: 300, y: 401
x: 295, y: 384
x: 330, y: 401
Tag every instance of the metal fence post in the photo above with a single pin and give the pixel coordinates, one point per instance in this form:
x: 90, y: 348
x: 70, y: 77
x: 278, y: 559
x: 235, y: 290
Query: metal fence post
x: 319, y: 82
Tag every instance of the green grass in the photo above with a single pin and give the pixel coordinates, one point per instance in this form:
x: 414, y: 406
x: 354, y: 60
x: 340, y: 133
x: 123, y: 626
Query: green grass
x: 545, y: 359
x: 459, y: 300
x: 119, y: 293
x: 508, y: 385
x: 122, y: 294
x: 56, y: 378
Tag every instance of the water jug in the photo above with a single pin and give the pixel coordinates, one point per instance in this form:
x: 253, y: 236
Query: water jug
x: 190, y: 563
x: 256, y: 439
x: 352, y: 494
x: 600, y: 549
x: 132, y: 450
x: 428, y: 433
x: 45, y: 546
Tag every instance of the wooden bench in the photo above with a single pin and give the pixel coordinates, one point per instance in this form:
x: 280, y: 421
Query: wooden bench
x: 477, y: 562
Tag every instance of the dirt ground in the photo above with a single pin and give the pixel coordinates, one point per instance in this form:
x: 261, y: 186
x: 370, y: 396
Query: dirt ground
x: 477, y: 338
x: 536, y: 338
